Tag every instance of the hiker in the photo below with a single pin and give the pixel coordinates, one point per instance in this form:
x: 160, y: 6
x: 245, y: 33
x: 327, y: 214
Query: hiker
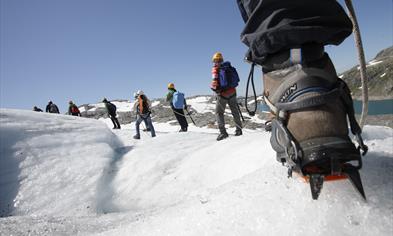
x: 73, y: 109
x: 178, y: 103
x: 142, y: 108
x: 309, y: 104
x: 37, y: 109
x: 111, y: 109
x: 52, y: 108
x: 224, y: 83
x: 147, y: 128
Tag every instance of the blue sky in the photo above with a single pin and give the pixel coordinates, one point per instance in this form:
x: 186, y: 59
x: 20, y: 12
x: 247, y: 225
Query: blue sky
x: 85, y: 50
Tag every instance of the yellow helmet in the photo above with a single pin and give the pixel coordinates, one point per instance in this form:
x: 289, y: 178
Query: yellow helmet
x: 171, y: 85
x: 217, y: 57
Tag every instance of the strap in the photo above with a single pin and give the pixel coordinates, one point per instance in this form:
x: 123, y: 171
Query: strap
x: 313, y: 101
x: 280, y: 109
x: 277, y: 112
x: 355, y: 128
x: 286, y: 58
x: 295, y: 56
x: 296, y: 80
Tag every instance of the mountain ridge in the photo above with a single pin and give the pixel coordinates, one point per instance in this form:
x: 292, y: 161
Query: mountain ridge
x: 380, y: 77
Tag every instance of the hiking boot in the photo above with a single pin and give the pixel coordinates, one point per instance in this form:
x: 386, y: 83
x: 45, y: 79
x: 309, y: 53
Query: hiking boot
x: 153, y: 135
x: 183, y: 130
x: 137, y: 136
x: 310, y: 104
x: 238, y: 132
x: 222, y: 135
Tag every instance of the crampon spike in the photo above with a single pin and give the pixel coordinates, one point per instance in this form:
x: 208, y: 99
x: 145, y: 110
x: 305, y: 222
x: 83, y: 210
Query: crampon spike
x: 316, y: 184
x: 354, y: 177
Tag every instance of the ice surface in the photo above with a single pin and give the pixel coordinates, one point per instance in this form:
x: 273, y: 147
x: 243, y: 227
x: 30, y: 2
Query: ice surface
x: 63, y: 175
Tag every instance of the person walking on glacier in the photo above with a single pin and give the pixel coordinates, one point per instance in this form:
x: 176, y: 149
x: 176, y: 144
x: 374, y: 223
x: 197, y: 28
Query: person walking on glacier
x: 73, y: 109
x: 142, y: 108
x: 178, y: 104
x: 111, y: 109
x: 52, y: 108
x: 224, y: 82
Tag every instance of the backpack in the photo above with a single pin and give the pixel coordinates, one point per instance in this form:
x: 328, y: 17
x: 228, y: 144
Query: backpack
x: 145, y: 105
x: 53, y: 108
x: 74, y: 110
x: 178, y: 100
x: 111, y: 108
x: 228, y: 78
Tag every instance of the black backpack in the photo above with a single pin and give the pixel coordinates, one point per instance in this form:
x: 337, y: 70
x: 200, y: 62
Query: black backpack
x: 111, y: 108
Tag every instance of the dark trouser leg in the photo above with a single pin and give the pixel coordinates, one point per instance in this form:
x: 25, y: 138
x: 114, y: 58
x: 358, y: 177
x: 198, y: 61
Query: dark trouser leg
x: 115, y: 122
x: 137, y: 123
x: 221, y: 103
x: 180, y: 117
x: 235, y: 112
x: 150, y: 125
x: 271, y: 28
x: 146, y: 125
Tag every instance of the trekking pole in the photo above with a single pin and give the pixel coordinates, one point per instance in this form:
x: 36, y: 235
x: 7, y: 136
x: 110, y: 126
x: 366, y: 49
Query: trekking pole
x: 238, y: 107
x: 188, y: 113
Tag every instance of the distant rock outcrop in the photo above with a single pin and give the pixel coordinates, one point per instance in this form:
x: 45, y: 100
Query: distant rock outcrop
x: 379, y: 74
x: 201, y: 109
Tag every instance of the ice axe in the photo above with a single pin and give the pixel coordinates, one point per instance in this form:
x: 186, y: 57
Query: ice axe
x: 188, y: 113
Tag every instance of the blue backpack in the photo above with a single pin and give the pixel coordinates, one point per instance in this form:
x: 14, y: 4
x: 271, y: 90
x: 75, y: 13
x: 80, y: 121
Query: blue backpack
x: 178, y: 100
x: 229, y: 78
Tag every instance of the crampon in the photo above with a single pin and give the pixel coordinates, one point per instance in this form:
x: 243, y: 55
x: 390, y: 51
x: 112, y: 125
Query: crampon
x: 310, y: 109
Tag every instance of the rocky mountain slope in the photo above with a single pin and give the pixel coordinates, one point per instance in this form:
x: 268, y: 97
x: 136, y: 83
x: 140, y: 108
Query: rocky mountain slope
x: 380, y: 77
x: 202, y: 109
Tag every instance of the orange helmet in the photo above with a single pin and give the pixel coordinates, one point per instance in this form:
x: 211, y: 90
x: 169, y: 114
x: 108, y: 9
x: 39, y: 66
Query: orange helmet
x: 217, y: 57
x: 171, y: 86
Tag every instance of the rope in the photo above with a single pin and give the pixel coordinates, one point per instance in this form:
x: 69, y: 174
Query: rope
x: 189, y: 114
x: 251, y: 78
x: 362, y: 61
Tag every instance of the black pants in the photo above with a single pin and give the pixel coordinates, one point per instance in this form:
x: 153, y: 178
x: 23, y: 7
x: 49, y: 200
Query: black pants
x: 115, y: 121
x: 276, y: 25
x: 180, y: 117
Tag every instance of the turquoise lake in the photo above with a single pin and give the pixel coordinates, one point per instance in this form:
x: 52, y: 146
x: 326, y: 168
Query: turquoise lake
x: 380, y: 107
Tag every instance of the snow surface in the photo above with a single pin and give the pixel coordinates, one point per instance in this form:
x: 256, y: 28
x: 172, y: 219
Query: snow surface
x: 372, y: 63
x: 123, y: 106
x: 64, y: 175
x: 155, y: 103
x: 201, y: 104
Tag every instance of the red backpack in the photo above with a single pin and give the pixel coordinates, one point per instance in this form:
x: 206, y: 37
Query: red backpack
x: 74, y: 109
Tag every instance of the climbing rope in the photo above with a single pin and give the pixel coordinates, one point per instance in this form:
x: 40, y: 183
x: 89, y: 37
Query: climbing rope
x: 362, y: 61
